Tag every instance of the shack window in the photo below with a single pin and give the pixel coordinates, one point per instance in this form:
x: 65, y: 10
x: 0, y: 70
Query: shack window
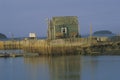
x: 64, y: 30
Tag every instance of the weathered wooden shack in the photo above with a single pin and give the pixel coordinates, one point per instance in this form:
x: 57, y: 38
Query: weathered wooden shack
x: 63, y: 27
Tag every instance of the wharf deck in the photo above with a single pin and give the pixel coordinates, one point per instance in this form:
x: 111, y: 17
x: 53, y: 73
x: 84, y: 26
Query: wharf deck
x: 11, y: 55
x: 59, y: 46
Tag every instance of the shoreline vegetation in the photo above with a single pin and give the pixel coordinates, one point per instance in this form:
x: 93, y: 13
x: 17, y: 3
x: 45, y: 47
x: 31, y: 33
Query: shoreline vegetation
x: 70, y: 46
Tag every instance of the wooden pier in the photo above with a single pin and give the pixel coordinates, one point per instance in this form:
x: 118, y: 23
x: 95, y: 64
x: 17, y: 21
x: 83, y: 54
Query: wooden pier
x: 11, y: 55
x: 81, y: 46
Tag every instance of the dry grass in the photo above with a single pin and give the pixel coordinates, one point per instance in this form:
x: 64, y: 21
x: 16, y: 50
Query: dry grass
x: 54, y: 47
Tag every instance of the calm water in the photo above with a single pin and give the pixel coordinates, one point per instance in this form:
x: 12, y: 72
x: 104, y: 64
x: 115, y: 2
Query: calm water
x: 61, y: 68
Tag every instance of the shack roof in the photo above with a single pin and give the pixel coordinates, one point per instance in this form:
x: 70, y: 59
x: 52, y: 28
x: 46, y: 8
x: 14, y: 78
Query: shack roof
x: 65, y: 20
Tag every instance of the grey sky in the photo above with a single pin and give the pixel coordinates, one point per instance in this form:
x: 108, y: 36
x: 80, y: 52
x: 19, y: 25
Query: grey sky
x: 23, y: 16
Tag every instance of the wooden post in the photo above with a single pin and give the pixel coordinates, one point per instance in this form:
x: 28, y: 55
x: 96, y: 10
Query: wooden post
x: 90, y: 34
x: 54, y: 30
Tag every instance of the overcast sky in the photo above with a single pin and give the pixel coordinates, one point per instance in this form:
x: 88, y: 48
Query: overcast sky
x: 21, y: 17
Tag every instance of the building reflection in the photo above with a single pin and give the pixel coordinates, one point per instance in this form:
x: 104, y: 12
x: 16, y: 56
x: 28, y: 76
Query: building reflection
x: 65, y: 68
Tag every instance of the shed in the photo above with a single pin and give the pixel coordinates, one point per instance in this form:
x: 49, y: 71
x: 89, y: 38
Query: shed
x: 63, y: 27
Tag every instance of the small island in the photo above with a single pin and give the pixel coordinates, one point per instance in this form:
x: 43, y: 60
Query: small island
x: 105, y: 33
x: 2, y: 36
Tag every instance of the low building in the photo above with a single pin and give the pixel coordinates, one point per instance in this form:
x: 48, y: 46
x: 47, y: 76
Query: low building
x: 32, y: 35
x: 63, y: 27
x: 102, y: 39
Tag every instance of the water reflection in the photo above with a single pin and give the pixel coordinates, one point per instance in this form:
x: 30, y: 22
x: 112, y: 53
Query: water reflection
x: 37, y: 68
x: 65, y: 68
x: 54, y: 68
x: 89, y: 66
x: 73, y: 68
x: 100, y: 68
